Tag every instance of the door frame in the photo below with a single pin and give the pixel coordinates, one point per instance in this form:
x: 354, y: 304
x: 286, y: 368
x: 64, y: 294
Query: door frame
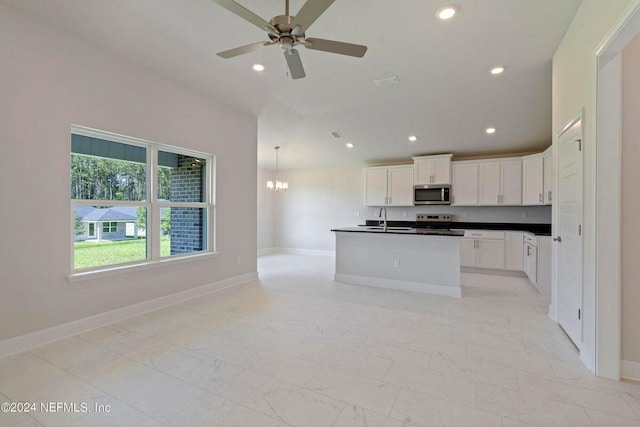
x: 607, y: 165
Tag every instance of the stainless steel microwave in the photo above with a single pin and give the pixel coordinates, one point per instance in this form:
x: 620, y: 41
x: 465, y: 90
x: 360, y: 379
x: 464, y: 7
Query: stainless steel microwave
x: 432, y: 195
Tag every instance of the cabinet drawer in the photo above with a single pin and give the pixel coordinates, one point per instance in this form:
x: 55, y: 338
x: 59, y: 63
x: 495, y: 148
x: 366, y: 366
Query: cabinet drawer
x: 484, y: 234
x: 531, y: 239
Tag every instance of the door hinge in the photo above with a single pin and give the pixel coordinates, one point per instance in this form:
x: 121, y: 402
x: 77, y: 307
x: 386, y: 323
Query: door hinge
x: 579, y: 145
x: 579, y: 314
x: 579, y: 229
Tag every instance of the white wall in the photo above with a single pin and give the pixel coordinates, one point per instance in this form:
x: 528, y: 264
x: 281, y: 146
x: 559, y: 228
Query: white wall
x: 574, y: 87
x: 266, y: 210
x: 49, y: 81
x: 630, y: 342
x: 320, y: 199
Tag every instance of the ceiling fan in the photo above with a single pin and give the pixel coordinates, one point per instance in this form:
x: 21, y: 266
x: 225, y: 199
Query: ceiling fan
x: 288, y: 32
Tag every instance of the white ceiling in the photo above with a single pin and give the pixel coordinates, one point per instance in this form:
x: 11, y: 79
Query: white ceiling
x: 446, y: 94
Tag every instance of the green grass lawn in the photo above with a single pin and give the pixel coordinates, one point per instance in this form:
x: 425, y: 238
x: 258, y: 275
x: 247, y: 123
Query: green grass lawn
x: 94, y: 254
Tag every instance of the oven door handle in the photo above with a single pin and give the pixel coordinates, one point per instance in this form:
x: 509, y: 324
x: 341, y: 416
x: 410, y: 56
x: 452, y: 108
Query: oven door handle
x: 442, y: 194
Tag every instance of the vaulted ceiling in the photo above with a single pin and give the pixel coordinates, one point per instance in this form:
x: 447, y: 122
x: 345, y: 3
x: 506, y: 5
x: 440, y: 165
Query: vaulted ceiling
x: 446, y: 95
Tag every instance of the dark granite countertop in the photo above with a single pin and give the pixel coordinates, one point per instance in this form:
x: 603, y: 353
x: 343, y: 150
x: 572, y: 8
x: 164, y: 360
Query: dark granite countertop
x: 400, y: 230
x: 537, y: 229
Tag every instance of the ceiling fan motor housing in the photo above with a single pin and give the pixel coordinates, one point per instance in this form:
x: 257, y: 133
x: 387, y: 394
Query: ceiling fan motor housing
x: 285, y: 38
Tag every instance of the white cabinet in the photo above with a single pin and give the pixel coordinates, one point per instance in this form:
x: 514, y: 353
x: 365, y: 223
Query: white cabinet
x: 464, y: 183
x: 514, y: 251
x: 532, y: 179
x: 400, y: 183
x: 500, y: 182
x: 375, y: 186
x: 389, y: 186
x: 432, y: 169
x: 547, y: 179
x: 482, y: 249
x: 531, y: 260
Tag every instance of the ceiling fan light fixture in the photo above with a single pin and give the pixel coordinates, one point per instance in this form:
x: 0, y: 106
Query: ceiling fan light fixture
x: 447, y: 12
x: 258, y: 67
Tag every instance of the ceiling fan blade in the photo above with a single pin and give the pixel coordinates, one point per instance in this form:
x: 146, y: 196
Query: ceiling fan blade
x: 336, y: 47
x: 243, y: 49
x: 309, y: 12
x: 245, y: 14
x: 295, y: 64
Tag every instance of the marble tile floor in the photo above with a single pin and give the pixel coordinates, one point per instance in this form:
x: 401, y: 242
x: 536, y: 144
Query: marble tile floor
x: 296, y: 349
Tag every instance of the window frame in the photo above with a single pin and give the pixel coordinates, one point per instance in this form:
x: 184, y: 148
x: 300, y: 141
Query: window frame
x: 152, y: 204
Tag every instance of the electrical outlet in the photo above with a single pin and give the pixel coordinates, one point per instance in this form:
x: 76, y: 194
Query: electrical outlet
x: 464, y: 214
x: 396, y: 263
x: 404, y: 214
x: 525, y: 215
x: 356, y: 213
x: 239, y: 260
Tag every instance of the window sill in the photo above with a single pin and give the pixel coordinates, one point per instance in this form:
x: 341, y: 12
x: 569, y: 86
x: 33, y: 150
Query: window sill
x: 81, y: 276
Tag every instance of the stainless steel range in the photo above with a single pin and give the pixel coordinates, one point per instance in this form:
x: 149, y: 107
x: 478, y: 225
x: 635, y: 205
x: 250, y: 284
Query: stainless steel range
x: 435, y: 224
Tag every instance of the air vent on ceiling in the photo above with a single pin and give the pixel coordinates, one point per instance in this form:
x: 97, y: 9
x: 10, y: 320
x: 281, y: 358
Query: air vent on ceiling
x: 388, y: 81
x: 336, y: 134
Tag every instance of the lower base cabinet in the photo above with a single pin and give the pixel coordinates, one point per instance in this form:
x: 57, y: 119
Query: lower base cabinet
x: 509, y: 250
x: 485, y: 251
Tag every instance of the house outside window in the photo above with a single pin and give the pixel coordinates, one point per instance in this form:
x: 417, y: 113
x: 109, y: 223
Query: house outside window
x: 109, y: 227
x: 135, y: 201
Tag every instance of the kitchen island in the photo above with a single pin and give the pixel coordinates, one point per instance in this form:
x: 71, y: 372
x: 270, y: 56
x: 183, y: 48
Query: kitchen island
x: 402, y: 259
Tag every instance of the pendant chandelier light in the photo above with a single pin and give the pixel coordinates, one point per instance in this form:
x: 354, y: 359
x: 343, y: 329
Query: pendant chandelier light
x: 277, y: 185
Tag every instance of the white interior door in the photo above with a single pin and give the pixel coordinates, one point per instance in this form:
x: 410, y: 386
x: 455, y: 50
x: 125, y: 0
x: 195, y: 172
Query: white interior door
x: 569, y: 228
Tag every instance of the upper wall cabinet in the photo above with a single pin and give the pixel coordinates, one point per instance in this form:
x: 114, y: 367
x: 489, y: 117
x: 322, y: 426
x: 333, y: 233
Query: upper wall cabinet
x: 547, y: 180
x: 532, y: 180
x: 389, y: 186
x: 500, y: 182
x: 464, y: 183
x: 432, y: 169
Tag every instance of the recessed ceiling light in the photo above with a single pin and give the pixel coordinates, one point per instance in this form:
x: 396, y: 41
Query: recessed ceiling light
x: 497, y: 70
x: 446, y: 12
x: 349, y: 144
x: 413, y: 138
x: 258, y: 67
x: 490, y: 130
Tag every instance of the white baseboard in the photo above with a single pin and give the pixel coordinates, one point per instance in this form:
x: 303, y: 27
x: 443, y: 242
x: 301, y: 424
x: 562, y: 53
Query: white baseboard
x: 37, y: 338
x: 400, y: 285
x: 297, y: 251
x: 267, y: 251
x: 630, y: 370
x: 493, y: 271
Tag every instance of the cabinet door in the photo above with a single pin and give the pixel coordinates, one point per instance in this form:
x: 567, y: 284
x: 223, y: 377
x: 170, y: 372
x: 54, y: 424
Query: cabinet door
x: 400, y: 182
x: 489, y: 183
x: 490, y: 253
x: 441, y: 170
x: 375, y: 187
x: 464, y: 184
x: 514, y: 251
x: 532, y: 180
x: 468, y: 252
x: 547, y: 168
x: 511, y: 182
x: 423, y: 170
x: 531, y: 263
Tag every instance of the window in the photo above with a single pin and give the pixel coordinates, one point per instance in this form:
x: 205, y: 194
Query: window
x: 149, y: 201
x: 109, y: 227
